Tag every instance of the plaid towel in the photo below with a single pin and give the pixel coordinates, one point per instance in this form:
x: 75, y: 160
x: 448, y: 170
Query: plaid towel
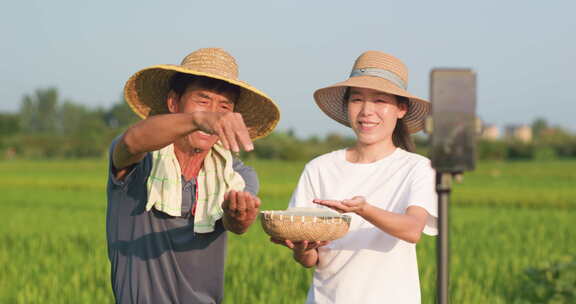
x: 216, y: 177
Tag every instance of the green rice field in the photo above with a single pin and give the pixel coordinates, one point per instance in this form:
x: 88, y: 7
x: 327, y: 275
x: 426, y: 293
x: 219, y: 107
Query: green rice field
x: 506, y: 218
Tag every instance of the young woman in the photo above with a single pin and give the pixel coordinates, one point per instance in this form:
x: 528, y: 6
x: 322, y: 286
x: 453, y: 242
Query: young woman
x: 387, y: 190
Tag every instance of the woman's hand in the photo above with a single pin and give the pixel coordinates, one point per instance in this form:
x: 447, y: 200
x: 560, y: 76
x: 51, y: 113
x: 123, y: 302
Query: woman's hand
x: 305, y: 252
x: 356, y: 204
x: 300, y: 247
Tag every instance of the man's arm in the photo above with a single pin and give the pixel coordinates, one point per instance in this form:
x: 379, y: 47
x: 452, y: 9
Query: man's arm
x: 152, y: 133
x: 158, y: 131
x: 234, y: 219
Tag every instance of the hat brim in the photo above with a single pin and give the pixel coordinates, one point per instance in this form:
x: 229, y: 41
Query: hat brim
x: 146, y: 92
x: 331, y: 100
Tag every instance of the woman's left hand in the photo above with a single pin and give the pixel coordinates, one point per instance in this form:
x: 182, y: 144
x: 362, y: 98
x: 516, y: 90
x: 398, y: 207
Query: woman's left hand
x: 355, y: 204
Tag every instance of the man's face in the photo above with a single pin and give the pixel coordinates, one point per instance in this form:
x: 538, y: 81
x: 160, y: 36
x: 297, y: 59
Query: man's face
x: 198, y: 99
x: 373, y: 115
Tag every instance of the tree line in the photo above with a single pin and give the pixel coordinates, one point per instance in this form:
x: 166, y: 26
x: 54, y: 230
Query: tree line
x: 47, y: 127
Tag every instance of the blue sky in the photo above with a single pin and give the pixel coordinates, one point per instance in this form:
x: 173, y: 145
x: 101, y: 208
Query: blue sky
x: 524, y: 53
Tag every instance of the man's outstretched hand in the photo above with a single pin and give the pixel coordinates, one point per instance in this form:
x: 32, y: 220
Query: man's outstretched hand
x: 229, y: 126
x: 240, y: 210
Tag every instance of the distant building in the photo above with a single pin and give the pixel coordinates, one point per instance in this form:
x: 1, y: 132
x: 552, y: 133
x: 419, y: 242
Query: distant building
x: 522, y: 133
x: 490, y: 132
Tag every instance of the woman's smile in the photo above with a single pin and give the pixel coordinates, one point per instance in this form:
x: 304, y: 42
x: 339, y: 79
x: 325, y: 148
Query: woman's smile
x: 367, y: 126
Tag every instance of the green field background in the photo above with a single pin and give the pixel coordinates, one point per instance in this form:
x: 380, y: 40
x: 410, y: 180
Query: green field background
x: 505, y: 219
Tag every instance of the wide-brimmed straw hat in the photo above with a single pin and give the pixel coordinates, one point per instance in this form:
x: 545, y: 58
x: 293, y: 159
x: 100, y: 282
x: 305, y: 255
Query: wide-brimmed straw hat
x: 378, y: 71
x: 147, y: 89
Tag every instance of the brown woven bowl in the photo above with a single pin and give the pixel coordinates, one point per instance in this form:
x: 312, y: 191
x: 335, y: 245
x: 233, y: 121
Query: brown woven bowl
x: 298, y: 225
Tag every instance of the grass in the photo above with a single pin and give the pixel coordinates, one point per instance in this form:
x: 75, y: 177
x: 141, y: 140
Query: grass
x: 505, y: 218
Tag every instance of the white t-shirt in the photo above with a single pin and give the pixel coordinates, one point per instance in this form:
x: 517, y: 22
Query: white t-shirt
x: 368, y: 265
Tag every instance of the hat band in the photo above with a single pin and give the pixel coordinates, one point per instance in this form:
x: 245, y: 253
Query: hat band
x: 385, y: 74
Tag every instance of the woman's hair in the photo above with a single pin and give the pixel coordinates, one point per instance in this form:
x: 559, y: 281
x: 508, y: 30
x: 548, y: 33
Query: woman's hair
x: 180, y: 82
x: 400, y: 136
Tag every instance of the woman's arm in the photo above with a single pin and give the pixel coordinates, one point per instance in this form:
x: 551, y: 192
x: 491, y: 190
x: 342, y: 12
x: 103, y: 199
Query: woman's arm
x: 407, y: 226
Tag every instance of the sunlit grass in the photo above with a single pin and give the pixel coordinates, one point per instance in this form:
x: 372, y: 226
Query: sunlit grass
x: 505, y: 217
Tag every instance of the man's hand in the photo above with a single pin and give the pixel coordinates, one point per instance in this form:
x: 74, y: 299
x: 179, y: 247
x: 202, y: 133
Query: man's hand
x: 240, y: 210
x: 355, y: 204
x: 229, y: 126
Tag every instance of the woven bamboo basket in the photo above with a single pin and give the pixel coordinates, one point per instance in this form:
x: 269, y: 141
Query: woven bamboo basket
x: 304, y: 225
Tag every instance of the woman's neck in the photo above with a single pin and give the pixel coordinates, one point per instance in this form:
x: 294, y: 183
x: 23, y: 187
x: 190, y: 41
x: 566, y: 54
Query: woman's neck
x: 190, y: 160
x: 369, y: 153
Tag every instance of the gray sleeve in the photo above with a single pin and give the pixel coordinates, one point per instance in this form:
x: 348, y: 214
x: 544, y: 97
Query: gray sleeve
x: 249, y: 175
x: 144, y: 167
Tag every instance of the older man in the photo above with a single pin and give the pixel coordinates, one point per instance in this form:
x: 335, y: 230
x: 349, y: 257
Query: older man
x: 174, y: 187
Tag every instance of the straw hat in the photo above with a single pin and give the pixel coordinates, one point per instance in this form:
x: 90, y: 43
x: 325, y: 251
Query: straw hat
x: 378, y: 71
x: 147, y: 89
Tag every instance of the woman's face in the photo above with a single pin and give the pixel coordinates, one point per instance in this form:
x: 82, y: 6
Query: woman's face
x: 373, y: 114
